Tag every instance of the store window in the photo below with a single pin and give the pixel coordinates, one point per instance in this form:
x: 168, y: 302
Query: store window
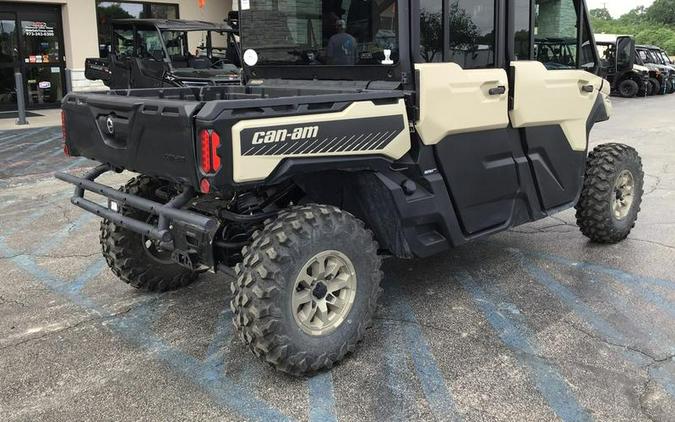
x: 471, y: 26
x: 106, y: 11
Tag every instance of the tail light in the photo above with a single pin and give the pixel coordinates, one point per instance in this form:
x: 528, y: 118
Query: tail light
x: 64, y: 134
x: 209, y: 142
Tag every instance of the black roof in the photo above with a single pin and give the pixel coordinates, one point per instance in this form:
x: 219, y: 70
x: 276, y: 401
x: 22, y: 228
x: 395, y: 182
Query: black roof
x: 177, y: 24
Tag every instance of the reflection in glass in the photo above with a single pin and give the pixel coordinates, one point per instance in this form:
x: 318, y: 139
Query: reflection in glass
x: 471, y: 26
x: 319, y: 32
x: 106, y: 11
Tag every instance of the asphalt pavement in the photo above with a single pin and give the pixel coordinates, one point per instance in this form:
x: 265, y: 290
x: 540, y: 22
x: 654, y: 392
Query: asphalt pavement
x: 532, y: 324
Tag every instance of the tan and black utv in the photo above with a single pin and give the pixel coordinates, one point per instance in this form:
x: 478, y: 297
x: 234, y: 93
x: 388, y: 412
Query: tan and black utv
x: 363, y: 129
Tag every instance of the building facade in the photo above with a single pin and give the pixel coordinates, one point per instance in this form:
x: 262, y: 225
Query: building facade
x: 49, y: 40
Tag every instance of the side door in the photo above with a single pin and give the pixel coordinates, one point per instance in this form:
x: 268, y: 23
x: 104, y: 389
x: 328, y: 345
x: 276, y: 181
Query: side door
x: 554, y: 96
x: 463, y: 91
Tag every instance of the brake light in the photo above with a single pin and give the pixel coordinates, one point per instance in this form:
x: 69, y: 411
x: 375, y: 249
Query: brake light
x: 64, y: 134
x: 205, y: 147
x: 209, y: 142
x: 215, y: 144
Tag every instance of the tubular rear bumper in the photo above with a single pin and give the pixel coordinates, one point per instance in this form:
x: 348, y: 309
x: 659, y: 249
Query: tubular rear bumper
x: 170, y: 212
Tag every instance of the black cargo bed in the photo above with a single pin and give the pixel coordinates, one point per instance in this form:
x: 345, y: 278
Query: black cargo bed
x: 152, y: 131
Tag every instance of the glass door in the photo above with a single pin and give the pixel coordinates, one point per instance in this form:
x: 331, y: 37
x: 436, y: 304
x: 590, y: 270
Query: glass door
x: 9, y: 60
x: 42, y: 58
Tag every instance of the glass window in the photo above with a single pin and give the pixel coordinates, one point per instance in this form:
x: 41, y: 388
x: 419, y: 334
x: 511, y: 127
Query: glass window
x: 124, y: 42
x: 106, y: 11
x: 44, y: 85
x: 521, y: 29
x: 471, y: 27
x: 149, y: 44
x: 556, y: 33
x: 8, y: 48
x: 431, y: 30
x: 316, y: 32
x: 41, y: 41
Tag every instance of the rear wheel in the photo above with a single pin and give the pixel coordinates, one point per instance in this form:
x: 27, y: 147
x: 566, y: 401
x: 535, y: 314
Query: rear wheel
x: 628, y: 88
x: 307, y: 288
x: 612, y: 193
x: 135, y: 259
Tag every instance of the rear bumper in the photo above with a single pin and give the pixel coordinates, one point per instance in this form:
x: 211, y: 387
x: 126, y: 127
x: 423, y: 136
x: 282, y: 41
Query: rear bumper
x: 174, y: 225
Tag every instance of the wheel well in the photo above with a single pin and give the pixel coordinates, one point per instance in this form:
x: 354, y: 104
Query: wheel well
x: 365, y: 196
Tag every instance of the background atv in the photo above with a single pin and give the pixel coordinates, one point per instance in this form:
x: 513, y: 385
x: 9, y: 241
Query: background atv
x: 617, y: 56
x: 304, y: 177
x: 660, y: 76
x: 156, y: 53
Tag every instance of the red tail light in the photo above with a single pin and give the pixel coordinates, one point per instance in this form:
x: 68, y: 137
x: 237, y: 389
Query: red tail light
x: 209, y: 142
x: 215, y: 144
x: 205, y: 148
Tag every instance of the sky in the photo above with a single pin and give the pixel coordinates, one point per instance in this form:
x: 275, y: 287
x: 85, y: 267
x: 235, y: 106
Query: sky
x: 618, y: 7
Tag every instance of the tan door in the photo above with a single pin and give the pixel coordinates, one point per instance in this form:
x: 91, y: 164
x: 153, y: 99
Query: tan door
x: 453, y: 100
x: 545, y: 97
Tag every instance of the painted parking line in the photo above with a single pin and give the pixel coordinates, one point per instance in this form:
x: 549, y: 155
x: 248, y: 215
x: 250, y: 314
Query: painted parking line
x: 638, y: 285
x: 398, y: 379
x: 60, y: 236
x: 321, y: 398
x: 518, y: 337
x: 599, y: 324
x: 437, y: 393
x: 221, y: 390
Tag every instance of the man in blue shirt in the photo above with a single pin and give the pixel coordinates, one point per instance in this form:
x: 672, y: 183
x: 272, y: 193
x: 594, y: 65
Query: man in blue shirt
x: 341, y: 49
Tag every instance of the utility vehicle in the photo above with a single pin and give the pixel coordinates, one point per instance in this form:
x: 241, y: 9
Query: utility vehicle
x: 157, y: 53
x: 662, y: 59
x: 617, y: 58
x: 660, y: 76
x: 310, y: 173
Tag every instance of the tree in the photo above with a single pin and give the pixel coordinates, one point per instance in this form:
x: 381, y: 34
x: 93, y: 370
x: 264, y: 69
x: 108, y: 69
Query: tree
x: 662, y: 11
x: 635, y: 16
x: 601, y: 14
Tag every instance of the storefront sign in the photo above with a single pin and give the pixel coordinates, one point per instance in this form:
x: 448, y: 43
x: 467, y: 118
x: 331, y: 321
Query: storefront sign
x: 45, y: 85
x: 37, y: 29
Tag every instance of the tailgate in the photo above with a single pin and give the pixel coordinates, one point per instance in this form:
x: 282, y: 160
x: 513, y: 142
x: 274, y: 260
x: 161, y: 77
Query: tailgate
x: 145, y: 135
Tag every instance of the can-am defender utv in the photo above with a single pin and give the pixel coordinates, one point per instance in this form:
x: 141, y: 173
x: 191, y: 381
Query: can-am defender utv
x: 362, y: 131
x: 617, y: 62
x: 159, y: 53
x: 659, y: 74
x: 662, y: 59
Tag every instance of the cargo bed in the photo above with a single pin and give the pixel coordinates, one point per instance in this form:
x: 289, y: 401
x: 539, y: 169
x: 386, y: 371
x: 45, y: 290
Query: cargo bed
x: 153, y: 131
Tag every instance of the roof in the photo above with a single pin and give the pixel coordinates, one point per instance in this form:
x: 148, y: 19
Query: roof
x: 177, y: 24
x: 609, y: 38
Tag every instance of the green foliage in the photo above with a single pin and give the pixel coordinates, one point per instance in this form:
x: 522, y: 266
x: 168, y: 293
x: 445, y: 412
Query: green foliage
x: 601, y: 14
x: 651, y: 25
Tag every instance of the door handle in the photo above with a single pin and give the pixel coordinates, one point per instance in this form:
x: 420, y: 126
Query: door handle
x: 587, y: 88
x: 500, y: 90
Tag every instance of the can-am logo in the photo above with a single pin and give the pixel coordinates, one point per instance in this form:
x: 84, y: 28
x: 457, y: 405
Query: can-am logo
x: 281, y: 135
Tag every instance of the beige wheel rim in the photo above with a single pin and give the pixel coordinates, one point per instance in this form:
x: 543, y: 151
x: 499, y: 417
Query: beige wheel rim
x: 622, y: 198
x: 324, y: 292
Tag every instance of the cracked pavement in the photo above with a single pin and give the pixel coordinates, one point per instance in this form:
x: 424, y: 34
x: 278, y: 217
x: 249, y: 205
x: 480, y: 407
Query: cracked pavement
x: 532, y: 324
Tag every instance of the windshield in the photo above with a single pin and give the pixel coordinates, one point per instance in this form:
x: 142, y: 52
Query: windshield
x: 321, y: 32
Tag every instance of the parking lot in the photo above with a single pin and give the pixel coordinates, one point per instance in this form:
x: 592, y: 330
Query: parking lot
x: 532, y: 324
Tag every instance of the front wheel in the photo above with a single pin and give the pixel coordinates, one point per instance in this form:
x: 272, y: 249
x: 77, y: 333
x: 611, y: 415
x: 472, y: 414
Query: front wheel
x: 612, y: 193
x: 628, y: 88
x: 307, y: 288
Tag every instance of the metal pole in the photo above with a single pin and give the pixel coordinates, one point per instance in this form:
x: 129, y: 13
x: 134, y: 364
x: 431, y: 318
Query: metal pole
x: 20, y: 100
